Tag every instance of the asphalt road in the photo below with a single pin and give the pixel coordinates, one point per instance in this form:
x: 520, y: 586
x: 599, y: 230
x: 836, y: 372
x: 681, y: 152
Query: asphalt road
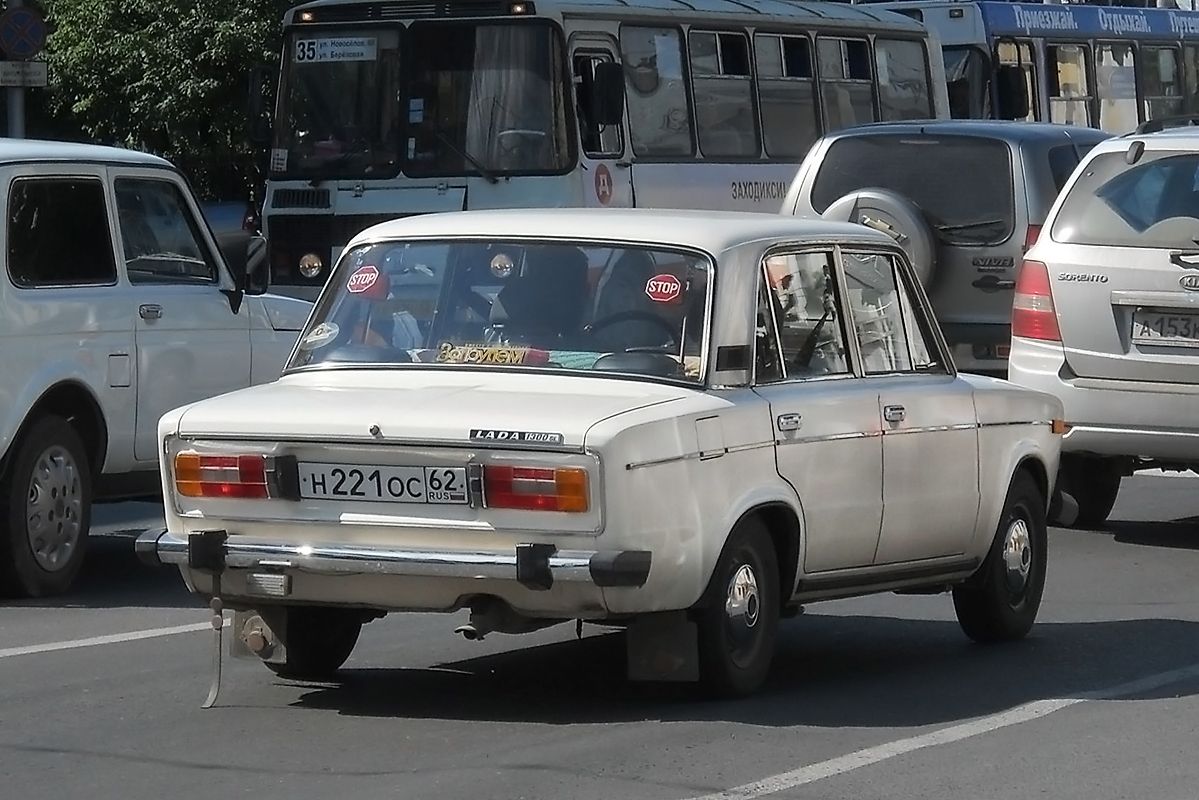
x: 875, y: 698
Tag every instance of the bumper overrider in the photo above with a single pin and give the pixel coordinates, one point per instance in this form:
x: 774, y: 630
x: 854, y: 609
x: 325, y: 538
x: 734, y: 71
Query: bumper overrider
x: 534, y: 566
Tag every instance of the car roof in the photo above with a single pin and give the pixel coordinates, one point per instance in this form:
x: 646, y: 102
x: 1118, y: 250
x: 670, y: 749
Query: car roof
x: 1007, y: 130
x: 1185, y: 136
x: 27, y: 150
x: 711, y: 231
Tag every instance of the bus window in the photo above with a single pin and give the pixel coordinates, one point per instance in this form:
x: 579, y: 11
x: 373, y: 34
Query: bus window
x: 724, y: 95
x: 1161, y: 82
x: 1069, y: 84
x: 1020, y: 54
x: 1116, y: 87
x: 846, y: 91
x: 966, y: 80
x: 787, y: 94
x: 659, y: 119
x: 599, y: 141
x: 1190, y: 68
x: 903, y: 91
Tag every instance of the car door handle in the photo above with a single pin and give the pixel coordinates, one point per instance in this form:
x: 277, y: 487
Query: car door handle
x: 790, y: 422
x: 894, y: 413
x: 150, y: 311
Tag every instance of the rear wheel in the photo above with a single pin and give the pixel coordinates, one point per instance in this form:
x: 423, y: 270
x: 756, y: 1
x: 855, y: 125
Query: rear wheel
x: 317, y: 641
x: 45, y: 508
x: 1000, y: 602
x: 1094, y: 484
x: 738, y: 623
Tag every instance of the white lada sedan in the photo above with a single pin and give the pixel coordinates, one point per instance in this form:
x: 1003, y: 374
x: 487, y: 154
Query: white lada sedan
x: 684, y: 424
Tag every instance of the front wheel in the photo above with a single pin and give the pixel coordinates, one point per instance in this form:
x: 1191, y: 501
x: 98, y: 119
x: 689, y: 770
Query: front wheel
x: 738, y: 622
x: 1000, y: 602
x: 46, y: 511
x: 317, y: 642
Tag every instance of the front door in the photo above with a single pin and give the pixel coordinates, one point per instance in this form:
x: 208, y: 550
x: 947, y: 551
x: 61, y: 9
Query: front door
x: 927, y: 417
x: 825, y: 419
x: 190, y: 345
x: 607, y: 179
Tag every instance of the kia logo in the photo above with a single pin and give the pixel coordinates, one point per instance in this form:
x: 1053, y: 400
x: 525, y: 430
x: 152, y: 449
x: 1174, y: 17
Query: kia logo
x: 1190, y: 282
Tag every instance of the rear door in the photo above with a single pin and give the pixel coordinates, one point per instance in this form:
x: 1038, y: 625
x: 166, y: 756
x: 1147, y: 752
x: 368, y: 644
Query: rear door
x: 1124, y: 268
x: 606, y: 174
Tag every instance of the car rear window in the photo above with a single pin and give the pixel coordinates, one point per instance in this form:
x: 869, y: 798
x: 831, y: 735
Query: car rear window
x: 963, y: 183
x: 1153, y: 203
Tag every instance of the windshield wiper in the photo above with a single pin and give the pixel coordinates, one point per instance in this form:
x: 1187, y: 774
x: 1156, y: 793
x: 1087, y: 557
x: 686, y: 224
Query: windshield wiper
x: 479, y: 166
x: 965, y: 226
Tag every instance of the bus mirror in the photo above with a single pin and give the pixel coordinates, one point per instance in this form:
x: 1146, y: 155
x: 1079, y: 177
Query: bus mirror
x: 1013, y: 92
x: 607, y: 94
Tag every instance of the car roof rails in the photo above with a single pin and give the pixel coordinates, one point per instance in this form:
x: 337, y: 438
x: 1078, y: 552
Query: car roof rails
x: 1160, y: 124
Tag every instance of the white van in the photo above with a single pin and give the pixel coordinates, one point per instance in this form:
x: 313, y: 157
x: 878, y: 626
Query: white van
x: 117, y: 304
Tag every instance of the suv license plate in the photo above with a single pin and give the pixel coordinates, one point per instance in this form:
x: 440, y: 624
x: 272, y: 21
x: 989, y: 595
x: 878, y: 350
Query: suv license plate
x: 377, y: 484
x: 1165, y: 328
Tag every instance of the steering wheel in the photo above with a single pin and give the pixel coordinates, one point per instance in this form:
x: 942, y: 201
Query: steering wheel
x: 636, y: 316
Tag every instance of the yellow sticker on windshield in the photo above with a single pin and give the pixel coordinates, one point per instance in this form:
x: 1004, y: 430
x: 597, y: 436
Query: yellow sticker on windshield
x: 480, y: 354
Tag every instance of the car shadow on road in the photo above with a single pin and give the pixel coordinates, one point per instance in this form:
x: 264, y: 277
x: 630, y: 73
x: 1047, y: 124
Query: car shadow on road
x: 830, y: 671
x: 1179, y: 533
x: 112, y: 577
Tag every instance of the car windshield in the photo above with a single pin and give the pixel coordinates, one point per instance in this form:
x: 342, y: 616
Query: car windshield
x: 486, y: 99
x: 1153, y: 203
x: 513, y: 304
x: 338, y: 115
x: 977, y: 211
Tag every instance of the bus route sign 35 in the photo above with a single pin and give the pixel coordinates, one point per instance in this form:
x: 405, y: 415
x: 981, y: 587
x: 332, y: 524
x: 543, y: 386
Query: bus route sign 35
x: 336, y: 48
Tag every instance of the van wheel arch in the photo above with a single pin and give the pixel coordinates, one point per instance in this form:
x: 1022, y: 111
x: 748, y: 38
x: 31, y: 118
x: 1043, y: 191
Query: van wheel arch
x: 76, y: 404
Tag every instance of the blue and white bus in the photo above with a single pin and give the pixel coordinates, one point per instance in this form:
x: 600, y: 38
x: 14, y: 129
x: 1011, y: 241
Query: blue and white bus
x: 1104, y: 66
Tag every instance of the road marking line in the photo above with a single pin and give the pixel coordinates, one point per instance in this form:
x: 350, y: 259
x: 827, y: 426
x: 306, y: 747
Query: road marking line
x: 115, y: 638
x: 954, y: 733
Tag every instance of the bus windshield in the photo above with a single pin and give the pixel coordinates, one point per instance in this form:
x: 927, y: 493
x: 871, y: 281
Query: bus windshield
x: 477, y: 99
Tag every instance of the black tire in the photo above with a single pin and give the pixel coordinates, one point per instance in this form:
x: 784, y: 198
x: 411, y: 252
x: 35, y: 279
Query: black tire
x: 318, y: 642
x: 735, y: 651
x: 45, y: 511
x: 1094, y: 484
x: 996, y: 604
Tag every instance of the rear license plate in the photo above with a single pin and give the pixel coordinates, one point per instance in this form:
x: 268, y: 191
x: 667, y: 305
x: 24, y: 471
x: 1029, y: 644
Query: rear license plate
x: 376, y: 484
x: 1165, y: 328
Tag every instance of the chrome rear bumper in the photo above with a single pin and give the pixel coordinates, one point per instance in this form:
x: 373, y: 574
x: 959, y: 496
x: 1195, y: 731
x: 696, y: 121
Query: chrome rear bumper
x: 535, y: 566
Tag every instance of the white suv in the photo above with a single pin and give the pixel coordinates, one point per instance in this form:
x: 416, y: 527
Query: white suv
x: 117, y: 304
x: 1106, y: 314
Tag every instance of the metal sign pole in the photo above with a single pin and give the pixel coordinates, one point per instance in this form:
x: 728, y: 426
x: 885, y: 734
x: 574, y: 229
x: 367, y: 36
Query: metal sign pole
x: 16, y: 98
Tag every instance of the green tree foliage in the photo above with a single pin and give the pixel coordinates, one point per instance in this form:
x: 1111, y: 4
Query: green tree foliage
x: 166, y: 76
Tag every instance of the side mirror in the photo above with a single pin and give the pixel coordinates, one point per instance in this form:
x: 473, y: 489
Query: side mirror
x: 607, y: 94
x: 1012, y: 91
x: 245, y: 255
x: 256, y: 105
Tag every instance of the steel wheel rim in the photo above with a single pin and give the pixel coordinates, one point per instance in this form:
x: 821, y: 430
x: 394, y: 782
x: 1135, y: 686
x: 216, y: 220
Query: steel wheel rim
x: 743, y: 613
x: 1017, y: 556
x: 54, y: 508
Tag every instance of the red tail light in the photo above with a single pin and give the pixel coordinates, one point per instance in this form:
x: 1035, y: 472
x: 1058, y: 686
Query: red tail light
x: 536, y: 488
x: 1031, y: 234
x: 1033, y: 314
x: 220, y: 476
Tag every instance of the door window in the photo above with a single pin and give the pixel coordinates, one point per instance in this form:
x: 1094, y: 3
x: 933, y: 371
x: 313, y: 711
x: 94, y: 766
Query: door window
x: 58, y: 233
x: 161, y: 239
x: 599, y: 141
x: 801, y: 292
x: 1020, y: 54
x: 875, y: 308
x: 1069, y: 84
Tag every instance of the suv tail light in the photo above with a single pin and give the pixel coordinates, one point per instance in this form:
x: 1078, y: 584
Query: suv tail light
x: 1033, y: 314
x: 536, y: 488
x: 1031, y: 234
x: 221, y: 476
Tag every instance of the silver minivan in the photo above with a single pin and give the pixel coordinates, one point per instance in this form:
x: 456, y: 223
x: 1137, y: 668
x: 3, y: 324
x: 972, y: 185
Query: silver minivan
x: 965, y: 198
x: 1106, y: 314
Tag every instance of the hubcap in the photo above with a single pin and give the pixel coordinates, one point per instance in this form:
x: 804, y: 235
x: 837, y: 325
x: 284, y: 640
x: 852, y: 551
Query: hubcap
x: 54, y: 508
x: 1017, y: 555
x: 742, y: 607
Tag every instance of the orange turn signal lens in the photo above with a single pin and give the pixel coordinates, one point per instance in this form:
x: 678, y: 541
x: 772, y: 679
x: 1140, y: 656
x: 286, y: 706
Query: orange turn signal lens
x: 1059, y: 426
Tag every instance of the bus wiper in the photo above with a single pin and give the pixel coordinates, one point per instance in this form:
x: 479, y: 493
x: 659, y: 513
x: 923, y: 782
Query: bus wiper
x: 474, y: 162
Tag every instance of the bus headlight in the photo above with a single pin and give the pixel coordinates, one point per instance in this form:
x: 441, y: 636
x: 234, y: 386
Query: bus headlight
x: 311, y: 265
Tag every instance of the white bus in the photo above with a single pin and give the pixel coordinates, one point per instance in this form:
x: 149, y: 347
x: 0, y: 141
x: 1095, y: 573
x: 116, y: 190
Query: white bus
x: 397, y: 107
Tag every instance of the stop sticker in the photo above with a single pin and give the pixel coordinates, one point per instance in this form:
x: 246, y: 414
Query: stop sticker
x: 664, y: 288
x: 362, y: 279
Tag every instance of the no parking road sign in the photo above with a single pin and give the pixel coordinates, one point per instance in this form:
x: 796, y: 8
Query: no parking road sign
x: 22, y: 33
